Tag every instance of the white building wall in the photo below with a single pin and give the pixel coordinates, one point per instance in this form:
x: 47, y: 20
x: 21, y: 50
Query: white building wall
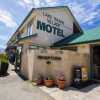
x: 37, y: 66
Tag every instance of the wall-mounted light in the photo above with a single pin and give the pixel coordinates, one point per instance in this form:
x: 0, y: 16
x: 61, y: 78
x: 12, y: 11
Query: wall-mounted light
x: 48, y: 62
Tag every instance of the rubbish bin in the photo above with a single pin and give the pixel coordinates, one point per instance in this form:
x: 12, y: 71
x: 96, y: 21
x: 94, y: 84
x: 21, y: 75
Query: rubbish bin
x: 77, y: 77
x: 80, y: 76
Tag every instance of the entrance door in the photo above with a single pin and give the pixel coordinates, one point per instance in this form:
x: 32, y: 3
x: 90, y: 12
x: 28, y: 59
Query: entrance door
x: 96, y: 62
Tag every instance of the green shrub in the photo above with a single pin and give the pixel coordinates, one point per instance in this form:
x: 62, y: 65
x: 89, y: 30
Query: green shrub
x: 4, y: 58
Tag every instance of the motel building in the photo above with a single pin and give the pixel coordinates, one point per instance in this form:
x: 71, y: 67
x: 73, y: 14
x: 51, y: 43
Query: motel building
x: 50, y: 41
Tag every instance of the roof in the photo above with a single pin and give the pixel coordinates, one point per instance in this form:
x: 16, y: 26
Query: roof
x: 29, y: 14
x: 44, y: 8
x: 88, y: 36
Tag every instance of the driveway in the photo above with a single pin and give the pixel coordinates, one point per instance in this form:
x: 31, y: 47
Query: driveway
x: 12, y: 87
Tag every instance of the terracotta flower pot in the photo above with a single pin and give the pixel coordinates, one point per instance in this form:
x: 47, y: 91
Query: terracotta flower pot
x: 61, y: 84
x: 49, y: 83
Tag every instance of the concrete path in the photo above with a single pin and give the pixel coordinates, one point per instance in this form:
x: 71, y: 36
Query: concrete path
x: 12, y: 87
x: 91, y: 92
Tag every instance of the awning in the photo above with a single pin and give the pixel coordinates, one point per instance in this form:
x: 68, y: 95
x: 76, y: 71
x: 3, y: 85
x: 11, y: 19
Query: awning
x: 87, y: 37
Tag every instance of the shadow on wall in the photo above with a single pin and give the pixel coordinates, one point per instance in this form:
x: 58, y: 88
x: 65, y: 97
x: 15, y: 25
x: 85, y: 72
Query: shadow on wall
x: 21, y: 75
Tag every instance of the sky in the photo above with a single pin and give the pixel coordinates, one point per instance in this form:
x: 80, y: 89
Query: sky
x: 12, y: 13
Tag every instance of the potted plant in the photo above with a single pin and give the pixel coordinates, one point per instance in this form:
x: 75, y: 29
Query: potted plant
x: 3, y: 64
x: 61, y: 81
x: 48, y: 81
x: 39, y: 79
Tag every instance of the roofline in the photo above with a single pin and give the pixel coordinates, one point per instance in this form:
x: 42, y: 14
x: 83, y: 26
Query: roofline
x: 44, y: 8
x: 48, y: 8
x: 84, y: 42
x: 80, y: 43
x: 75, y: 20
x: 21, y: 23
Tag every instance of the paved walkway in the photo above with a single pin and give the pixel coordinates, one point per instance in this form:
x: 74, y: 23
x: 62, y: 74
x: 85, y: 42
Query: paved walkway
x: 91, y: 92
x: 12, y: 87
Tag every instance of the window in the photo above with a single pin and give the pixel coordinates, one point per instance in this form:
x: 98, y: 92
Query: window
x: 18, y: 36
x: 30, y: 29
x: 75, y: 28
x: 23, y: 33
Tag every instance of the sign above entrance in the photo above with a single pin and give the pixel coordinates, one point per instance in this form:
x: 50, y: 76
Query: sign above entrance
x: 49, y: 57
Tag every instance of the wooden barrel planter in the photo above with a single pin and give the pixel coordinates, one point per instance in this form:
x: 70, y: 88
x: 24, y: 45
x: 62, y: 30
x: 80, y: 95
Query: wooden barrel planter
x: 61, y: 84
